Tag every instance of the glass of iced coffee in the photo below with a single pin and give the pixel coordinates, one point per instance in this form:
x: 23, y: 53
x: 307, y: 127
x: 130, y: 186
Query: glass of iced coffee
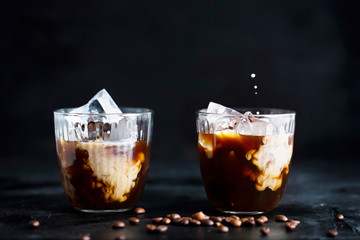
x: 103, y: 154
x: 245, y: 156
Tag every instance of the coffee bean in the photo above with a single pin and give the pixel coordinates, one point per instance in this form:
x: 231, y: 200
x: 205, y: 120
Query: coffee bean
x: 161, y: 228
x: 195, y: 222
x: 207, y: 222
x: 85, y: 237
x: 176, y: 220
x: 175, y: 216
x: 247, y: 219
x: 139, y: 210
x: 157, y: 219
x: 290, y: 226
x: 281, y: 218
x: 215, y: 219
x: 118, y: 224
x: 261, y: 220
x: 199, y: 216
x: 332, y: 233
x: 166, y: 221
x: 134, y: 220
x: 236, y: 223
x: 151, y: 228
x: 227, y: 221
x: 248, y: 222
x: 340, y: 217
x: 34, y: 223
x: 265, y: 231
x: 184, y: 221
x: 222, y: 229
x: 168, y: 215
x: 218, y: 224
x: 234, y: 217
x: 296, y: 222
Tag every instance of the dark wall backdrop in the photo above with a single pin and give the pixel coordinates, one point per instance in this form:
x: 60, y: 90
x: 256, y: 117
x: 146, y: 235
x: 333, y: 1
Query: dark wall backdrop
x: 175, y: 57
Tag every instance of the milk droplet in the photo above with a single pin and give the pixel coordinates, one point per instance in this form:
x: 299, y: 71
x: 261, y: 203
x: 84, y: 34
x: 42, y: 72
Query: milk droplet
x: 253, y: 75
x: 257, y: 112
x: 255, y: 93
x: 255, y: 87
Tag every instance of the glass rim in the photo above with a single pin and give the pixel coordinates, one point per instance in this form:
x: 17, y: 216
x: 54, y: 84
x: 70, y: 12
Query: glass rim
x: 264, y: 112
x: 133, y: 111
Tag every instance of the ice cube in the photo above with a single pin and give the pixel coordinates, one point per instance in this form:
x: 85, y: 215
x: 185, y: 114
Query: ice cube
x: 220, y: 120
x: 114, y: 127
x: 251, y: 125
x: 220, y: 109
x: 225, y: 118
x: 100, y: 103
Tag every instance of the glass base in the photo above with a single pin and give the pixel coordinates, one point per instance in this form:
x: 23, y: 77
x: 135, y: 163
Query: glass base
x: 104, y: 211
x: 241, y: 212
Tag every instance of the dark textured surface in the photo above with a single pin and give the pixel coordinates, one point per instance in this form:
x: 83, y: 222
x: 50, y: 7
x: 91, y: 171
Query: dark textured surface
x: 317, y: 190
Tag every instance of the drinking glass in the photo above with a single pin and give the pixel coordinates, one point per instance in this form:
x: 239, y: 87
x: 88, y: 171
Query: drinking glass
x: 103, y: 158
x: 245, y: 158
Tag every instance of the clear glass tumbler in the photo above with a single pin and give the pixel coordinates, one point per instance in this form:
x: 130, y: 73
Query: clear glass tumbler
x: 103, y: 158
x: 245, y: 159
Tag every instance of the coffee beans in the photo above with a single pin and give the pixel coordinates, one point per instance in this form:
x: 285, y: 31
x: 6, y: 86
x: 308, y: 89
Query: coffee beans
x: 261, y: 220
x: 251, y: 219
x: 222, y: 223
x: 185, y: 221
x: 207, y: 222
x: 166, y: 221
x: 177, y: 220
x: 226, y: 221
x: 139, y: 210
x: 156, y: 229
x: 151, y: 227
x: 236, y: 223
x: 157, y: 219
x: 297, y: 222
x: 234, y: 217
x: 162, y: 228
x: 134, y: 220
x: 265, y: 231
x: 248, y: 222
x: 216, y: 219
x: 290, y: 226
x: 332, y: 233
x: 199, y: 216
x: 222, y: 229
x: 281, y: 218
x: 175, y: 216
x: 195, y: 222
x: 340, y: 217
x: 85, y: 237
x: 34, y: 223
x: 118, y: 225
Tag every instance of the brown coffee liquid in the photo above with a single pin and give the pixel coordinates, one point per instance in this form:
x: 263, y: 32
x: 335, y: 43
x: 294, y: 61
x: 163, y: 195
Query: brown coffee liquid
x: 103, y: 177
x: 232, y: 180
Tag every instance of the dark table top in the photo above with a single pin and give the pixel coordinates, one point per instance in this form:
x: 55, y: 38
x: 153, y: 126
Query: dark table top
x: 317, y: 190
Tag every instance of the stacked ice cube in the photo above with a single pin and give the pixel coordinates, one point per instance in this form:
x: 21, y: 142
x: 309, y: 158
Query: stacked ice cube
x: 224, y: 118
x: 105, y: 122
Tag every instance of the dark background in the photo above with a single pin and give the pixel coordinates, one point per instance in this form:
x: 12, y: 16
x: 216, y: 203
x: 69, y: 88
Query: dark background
x: 175, y: 57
